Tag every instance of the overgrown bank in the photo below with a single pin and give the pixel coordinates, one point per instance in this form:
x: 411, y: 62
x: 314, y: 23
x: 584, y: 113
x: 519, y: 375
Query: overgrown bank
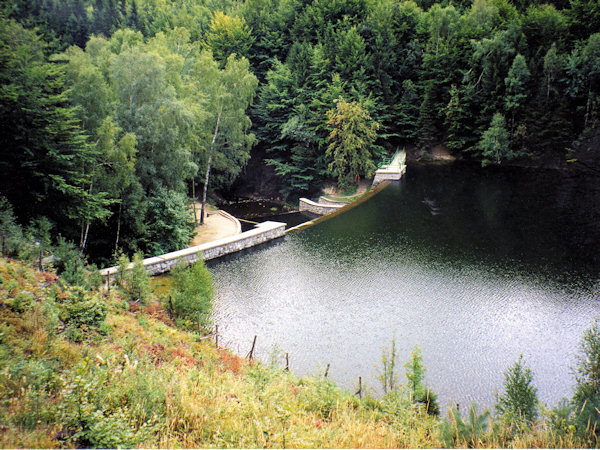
x: 83, y: 368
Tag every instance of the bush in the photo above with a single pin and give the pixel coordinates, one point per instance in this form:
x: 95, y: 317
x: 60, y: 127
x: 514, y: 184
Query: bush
x: 191, y: 293
x: 21, y: 302
x: 388, y: 377
x: 587, y: 392
x: 37, y: 240
x: 82, y: 313
x: 90, y: 421
x: 560, y: 418
x: 419, y: 393
x: 11, y: 233
x: 456, y: 432
x: 170, y: 222
x: 134, y: 281
x: 519, y: 403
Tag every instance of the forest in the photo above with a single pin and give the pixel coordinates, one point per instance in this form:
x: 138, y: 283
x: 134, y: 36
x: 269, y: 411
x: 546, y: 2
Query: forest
x: 117, y: 113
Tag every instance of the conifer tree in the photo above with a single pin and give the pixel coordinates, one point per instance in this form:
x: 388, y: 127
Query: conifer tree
x: 41, y: 143
x: 351, y: 139
x: 519, y: 402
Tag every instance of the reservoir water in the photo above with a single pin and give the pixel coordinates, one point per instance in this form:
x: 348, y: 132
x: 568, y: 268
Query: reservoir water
x: 474, y: 266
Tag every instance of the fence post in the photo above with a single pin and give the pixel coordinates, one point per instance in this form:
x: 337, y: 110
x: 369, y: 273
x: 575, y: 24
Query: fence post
x: 359, y: 392
x: 252, y: 349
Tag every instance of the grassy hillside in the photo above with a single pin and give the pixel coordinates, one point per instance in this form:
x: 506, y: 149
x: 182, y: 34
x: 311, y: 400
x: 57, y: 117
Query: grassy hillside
x: 88, y: 369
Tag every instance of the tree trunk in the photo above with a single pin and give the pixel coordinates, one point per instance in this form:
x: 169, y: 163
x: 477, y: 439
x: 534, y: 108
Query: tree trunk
x: 210, y: 156
x: 194, y: 203
x: 81, y: 233
x: 87, y: 230
x: 118, y: 227
x: 587, y: 108
x: 83, y: 241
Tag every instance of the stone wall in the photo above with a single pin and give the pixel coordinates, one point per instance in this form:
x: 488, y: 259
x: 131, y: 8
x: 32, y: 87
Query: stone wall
x: 238, y: 225
x: 388, y: 174
x: 325, y: 201
x: 262, y: 233
x: 317, y: 208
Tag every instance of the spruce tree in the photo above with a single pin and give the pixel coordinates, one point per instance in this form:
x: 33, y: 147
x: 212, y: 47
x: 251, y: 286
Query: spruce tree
x: 519, y: 402
x: 41, y: 143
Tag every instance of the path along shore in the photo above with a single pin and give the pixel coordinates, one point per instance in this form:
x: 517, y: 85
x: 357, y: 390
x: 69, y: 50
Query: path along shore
x: 217, y: 225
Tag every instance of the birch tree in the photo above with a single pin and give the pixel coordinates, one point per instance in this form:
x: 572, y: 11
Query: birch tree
x: 228, y: 94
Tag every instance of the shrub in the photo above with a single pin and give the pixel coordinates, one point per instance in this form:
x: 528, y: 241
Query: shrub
x: 519, y: 403
x: 82, y: 313
x: 321, y: 396
x: 70, y: 264
x: 560, y: 418
x: 37, y: 240
x: 11, y: 233
x: 90, y: 421
x: 170, y: 222
x: 388, y: 377
x: 456, y: 432
x: 419, y: 393
x: 21, y: 302
x: 133, y: 279
x: 587, y: 392
x: 191, y: 293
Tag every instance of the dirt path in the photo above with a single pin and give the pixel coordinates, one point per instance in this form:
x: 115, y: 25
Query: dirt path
x: 217, y: 225
x: 331, y: 191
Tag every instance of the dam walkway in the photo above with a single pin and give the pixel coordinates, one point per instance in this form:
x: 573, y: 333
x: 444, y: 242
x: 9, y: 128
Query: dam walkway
x: 392, y: 171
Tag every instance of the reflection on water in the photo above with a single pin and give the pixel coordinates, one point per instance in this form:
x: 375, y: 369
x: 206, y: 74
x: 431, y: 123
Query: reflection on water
x: 476, y: 267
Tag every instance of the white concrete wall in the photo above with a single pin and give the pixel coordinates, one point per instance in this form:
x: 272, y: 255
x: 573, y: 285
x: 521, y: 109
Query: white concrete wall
x: 325, y: 201
x: 262, y: 233
x: 317, y: 208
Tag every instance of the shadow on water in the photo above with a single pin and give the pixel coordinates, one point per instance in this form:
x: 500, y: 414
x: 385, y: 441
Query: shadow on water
x: 475, y: 266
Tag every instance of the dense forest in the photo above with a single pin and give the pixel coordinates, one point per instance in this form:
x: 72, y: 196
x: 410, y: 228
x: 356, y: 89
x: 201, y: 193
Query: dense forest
x: 116, y: 113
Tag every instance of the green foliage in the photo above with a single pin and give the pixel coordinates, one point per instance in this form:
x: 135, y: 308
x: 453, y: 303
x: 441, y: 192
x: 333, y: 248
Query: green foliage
x: 495, y: 142
x: 419, y: 393
x: 11, y: 233
x: 388, y: 376
x: 82, y: 314
x: 171, y: 223
x: 561, y: 419
x: 150, y: 385
x: 228, y: 35
x: 133, y: 279
x: 42, y: 144
x: 516, y: 82
x: 71, y: 265
x: 155, y: 94
x: 456, y: 432
x: 587, y: 392
x: 351, y: 141
x: 519, y: 402
x: 90, y: 421
x: 21, y: 302
x: 321, y: 397
x: 191, y: 294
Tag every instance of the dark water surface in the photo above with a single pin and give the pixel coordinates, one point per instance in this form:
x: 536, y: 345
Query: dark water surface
x: 474, y: 266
